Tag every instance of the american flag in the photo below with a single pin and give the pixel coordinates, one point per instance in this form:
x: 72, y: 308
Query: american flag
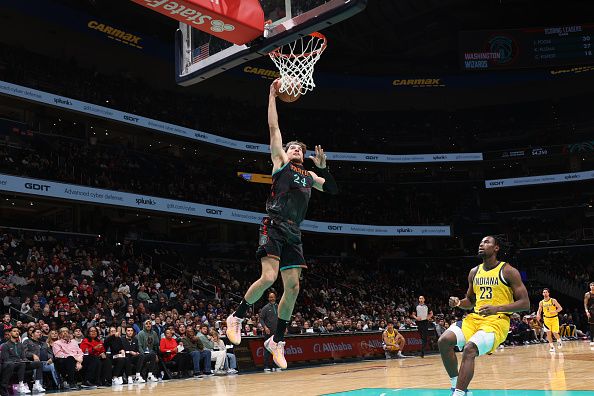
x: 200, y: 53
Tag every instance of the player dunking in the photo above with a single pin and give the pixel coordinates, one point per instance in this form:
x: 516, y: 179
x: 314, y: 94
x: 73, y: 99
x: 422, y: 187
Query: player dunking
x: 589, y: 307
x: 550, y: 308
x: 280, y: 237
x: 495, y: 290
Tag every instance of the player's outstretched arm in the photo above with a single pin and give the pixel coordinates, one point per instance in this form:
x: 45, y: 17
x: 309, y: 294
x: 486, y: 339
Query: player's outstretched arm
x: 325, y: 181
x: 522, y: 301
x: 278, y: 154
x: 468, y: 302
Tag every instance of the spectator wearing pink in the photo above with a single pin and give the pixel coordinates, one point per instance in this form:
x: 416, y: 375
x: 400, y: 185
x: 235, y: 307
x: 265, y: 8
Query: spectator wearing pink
x: 69, y: 357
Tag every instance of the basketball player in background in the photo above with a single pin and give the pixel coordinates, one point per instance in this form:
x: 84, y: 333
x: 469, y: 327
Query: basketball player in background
x: 550, y: 308
x: 589, y: 307
x: 280, y: 237
x: 422, y: 315
x: 393, y: 341
x: 495, y: 290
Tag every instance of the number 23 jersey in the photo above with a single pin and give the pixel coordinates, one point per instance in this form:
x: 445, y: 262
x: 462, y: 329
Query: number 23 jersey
x: 491, y: 288
x: 290, y: 193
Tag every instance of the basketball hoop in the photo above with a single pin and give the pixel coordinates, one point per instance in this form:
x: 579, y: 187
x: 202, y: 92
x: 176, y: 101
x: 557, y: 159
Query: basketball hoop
x: 295, y: 62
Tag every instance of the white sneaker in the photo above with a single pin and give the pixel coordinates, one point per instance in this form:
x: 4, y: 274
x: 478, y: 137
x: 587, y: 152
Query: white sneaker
x: 234, y: 329
x: 38, y: 388
x: 277, y: 349
x: 592, y: 344
x: 552, y: 349
x: 130, y: 380
x: 559, y: 344
x: 138, y: 379
x: 152, y: 378
x: 120, y: 381
x: 232, y: 371
x: 267, y: 370
x: 23, y: 388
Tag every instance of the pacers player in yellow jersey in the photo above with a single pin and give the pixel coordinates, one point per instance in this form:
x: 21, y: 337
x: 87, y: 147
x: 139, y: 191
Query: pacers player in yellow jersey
x: 495, y: 290
x: 393, y: 341
x: 550, y: 308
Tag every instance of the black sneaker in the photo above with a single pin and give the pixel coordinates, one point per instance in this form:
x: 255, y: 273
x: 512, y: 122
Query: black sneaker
x: 88, y: 385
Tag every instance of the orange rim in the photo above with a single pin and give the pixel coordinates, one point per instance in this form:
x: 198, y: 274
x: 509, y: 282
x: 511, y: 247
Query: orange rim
x: 277, y: 54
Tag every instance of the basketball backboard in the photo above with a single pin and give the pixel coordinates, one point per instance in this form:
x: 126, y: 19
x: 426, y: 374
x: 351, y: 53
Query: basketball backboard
x: 200, y: 55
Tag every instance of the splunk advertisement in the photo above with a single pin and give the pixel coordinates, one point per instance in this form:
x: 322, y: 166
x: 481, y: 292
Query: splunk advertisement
x: 35, y: 95
x: 543, y: 179
x: 51, y: 189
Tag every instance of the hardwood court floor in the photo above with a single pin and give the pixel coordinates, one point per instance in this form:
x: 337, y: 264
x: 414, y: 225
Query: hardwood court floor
x: 529, y: 367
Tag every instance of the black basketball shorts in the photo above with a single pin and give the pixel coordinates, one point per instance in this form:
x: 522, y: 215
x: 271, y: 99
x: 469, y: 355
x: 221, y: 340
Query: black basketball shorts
x: 281, y: 240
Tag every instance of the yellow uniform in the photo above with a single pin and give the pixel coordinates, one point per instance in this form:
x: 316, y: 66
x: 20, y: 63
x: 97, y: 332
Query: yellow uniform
x: 391, y: 338
x: 550, y: 316
x: 490, y: 288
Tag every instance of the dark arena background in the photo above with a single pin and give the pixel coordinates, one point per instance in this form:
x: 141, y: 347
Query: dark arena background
x: 135, y: 168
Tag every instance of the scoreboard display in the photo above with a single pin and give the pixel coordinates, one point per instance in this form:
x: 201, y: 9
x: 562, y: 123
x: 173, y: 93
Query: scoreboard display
x: 525, y: 48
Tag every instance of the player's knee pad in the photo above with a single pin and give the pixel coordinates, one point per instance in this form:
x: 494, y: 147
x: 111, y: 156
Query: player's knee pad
x: 460, y: 340
x: 484, y: 341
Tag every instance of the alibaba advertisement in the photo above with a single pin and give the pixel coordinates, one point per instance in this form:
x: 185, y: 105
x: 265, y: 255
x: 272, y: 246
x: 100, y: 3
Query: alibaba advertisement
x: 334, y: 346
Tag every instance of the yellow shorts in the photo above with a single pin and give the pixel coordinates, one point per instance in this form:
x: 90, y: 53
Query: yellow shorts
x: 497, y: 324
x: 551, y: 324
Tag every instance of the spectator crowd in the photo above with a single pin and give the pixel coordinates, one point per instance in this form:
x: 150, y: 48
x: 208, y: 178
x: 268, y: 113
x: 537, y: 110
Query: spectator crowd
x: 78, y: 313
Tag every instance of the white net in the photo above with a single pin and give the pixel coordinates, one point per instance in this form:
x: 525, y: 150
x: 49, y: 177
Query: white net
x: 295, y: 62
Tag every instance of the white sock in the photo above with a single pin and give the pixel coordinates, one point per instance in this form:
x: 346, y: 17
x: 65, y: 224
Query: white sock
x: 453, y: 381
x: 459, y: 392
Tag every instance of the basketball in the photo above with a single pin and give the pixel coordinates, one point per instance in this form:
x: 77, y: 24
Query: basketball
x: 294, y: 86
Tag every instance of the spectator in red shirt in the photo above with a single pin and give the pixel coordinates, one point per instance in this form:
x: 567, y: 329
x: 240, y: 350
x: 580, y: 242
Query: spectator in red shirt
x: 95, y: 362
x: 84, y: 286
x: 168, y: 348
x: 6, y: 322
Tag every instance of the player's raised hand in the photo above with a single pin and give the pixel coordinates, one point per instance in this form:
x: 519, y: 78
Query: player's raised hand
x: 320, y: 158
x: 273, y: 88
x: 454, y: 301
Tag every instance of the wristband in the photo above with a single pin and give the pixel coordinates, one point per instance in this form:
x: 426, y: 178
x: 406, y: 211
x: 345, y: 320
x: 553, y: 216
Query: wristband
x: 459, y: 302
